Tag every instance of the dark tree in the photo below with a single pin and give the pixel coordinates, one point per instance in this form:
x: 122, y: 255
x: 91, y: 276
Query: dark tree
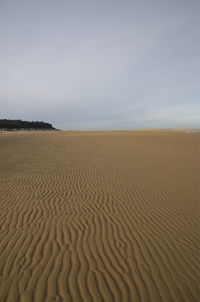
x: 19, y: 124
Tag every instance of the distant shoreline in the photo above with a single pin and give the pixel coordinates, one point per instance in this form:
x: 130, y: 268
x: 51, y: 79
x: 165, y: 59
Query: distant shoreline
x: 188, y: 131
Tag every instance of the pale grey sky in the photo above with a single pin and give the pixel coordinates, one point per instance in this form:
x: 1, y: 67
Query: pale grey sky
x: 100, y: 64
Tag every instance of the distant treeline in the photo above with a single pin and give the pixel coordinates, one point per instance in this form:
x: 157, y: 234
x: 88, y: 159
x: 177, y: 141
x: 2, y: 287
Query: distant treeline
x: 19, y: 124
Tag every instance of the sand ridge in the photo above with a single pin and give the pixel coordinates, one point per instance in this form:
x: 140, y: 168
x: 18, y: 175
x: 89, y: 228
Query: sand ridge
x: 99, y: 216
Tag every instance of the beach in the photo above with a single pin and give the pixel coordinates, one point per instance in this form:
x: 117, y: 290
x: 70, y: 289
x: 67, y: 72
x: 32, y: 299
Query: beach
x: 99, y: 216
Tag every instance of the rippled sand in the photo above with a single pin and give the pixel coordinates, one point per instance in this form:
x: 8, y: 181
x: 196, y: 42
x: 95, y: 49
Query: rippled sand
x: 99, y: 216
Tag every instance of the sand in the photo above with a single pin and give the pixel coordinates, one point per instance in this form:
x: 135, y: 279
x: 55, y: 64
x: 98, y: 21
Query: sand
x: 99, y: 216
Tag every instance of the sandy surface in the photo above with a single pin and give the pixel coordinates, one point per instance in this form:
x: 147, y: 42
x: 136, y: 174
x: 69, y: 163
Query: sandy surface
x: 99, y: 216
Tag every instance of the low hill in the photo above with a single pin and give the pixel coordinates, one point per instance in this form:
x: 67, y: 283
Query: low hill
x: 6, y: 124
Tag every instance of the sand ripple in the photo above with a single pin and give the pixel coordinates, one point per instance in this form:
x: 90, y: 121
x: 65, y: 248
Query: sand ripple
x: 99, y: 217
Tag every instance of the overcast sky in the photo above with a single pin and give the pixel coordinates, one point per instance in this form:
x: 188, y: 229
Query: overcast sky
x: 109, y: 64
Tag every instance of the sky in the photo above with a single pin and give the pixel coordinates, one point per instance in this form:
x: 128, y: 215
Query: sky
x: 96, y: 65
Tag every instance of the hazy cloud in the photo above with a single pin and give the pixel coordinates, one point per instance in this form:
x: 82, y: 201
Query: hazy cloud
x: 100, y: 64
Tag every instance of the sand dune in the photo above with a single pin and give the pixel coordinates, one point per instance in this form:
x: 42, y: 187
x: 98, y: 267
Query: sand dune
x: 99, y: 216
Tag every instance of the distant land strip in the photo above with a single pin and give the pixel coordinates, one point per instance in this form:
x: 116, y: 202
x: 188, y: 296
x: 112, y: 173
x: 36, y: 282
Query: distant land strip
x: 6, y: 124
